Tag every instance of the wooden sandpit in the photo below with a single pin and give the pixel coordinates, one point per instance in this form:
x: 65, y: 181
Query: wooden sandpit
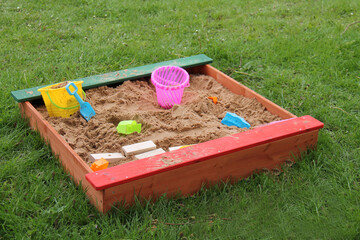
x: 219, y: 152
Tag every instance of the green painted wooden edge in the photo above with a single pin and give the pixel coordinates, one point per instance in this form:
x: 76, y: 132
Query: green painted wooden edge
x: 118, y: 76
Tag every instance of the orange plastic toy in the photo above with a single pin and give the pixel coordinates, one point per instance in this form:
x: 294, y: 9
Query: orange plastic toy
x: 214, y: 99
x: 99, y: 164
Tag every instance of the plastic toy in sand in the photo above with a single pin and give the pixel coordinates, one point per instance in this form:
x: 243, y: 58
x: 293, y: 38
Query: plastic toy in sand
x: 58, y: 102
x: 128, y: 127
x: 231, y: 119
x: 100, y: 164
x: 86, y: 110
x: 169, y: 82
x: 214, y: 99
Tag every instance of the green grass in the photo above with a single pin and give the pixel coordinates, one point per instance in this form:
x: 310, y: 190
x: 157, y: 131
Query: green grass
x: 294, y: 53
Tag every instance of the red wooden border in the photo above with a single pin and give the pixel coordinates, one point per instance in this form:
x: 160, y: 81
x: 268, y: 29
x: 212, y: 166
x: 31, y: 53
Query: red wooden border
x: 164, y: 162
x: 187, y: 180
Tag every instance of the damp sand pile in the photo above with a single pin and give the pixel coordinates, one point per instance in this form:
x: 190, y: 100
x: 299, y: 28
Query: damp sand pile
x: 196, y: 120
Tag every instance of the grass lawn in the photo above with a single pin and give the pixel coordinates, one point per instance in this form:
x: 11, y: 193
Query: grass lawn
x: 302, y: 55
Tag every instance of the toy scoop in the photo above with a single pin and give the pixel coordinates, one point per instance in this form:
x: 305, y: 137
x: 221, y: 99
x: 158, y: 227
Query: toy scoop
x: 85, y: 108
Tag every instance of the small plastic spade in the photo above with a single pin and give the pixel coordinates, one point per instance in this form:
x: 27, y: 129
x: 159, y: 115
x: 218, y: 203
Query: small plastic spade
x: 85, y: 108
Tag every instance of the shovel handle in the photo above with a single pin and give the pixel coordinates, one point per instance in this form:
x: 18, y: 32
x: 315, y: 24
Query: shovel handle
x: 68, y: 88
x: 74, y: 93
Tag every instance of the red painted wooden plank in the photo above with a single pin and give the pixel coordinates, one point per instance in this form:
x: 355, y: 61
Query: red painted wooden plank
x: 189, y: 179
x: 200, y: 152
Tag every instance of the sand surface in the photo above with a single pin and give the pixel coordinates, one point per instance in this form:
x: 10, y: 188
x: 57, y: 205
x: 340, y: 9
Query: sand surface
x: 196, y: 120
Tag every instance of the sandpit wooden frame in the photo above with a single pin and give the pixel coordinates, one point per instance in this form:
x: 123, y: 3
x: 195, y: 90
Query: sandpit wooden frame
x: 186, y: 170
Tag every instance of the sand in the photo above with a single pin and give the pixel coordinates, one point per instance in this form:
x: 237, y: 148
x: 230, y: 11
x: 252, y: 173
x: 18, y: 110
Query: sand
x: 63, y: 84
x: 197, y: 119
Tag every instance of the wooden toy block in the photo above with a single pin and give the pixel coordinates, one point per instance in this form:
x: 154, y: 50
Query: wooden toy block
x: 150, y: 153
x: 110, y: 157
x: 174, y: 148
x: 138, y: 148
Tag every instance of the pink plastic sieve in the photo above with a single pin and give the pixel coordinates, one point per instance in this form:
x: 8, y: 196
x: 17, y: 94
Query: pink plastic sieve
x: 169, y: 82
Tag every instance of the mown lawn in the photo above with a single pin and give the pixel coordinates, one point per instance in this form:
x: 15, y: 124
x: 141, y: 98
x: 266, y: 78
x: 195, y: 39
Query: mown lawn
x: 302, y: 55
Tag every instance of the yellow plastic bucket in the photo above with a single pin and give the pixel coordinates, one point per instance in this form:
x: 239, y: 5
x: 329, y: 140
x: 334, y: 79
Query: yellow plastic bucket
x: 58, y: 102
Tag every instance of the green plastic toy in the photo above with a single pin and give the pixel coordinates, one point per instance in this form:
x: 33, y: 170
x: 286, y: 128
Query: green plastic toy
x: 128, y: 127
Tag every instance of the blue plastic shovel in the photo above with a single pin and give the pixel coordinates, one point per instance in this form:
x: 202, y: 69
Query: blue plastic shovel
x: 85, y: 108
